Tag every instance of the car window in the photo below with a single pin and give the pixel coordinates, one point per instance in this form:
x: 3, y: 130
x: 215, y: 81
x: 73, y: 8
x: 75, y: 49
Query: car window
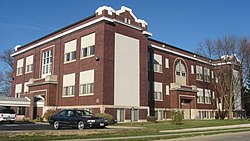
x: 63, y: 113
x: 70, y: 113
x: 87, y: 113
x: 79, y: 113
x: 83, y: 113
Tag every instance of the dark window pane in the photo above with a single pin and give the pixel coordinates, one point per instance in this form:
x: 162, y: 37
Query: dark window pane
x: 84, y: 52
x: 73, y: 55
x: 92, y: 50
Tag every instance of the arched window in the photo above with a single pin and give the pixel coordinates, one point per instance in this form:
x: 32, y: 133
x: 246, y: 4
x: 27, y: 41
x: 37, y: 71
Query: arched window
x: 180, y: 73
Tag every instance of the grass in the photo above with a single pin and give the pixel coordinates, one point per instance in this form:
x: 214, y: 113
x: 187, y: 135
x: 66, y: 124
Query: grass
x: 148, y: 129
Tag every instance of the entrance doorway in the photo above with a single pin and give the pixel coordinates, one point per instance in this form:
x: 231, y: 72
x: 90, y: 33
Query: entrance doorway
x: 186, y: 107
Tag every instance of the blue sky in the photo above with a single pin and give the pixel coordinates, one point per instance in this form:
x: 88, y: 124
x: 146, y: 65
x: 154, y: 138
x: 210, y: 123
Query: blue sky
x: 182, y: 23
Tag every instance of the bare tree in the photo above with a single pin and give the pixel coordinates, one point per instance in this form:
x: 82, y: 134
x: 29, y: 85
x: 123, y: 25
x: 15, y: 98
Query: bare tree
x: 232, y: 55
x: 6, y: 73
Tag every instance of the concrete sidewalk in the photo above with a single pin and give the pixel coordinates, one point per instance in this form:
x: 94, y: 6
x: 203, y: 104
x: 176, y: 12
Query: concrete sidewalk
x: 207, y: 128
x: 178, y: 133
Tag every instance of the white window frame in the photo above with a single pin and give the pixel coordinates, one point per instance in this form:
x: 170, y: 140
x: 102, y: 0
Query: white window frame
x: 19, y: 70
x: 120, y: 115
x: 18, y: 90
x: 206, y: 74
x: 88, y: 45
x: 166, y: 63
x: 86, y: 89
x: 26, y: 88
x: 29, y: 65
x: 192, y: 69
x: 86, y: 83
x: 70, y: 51
x: 207, y: 96
x: 200, y: 96
x: 167, y: 90
x: 199, y: 73
x: 157, y: 66
x: 159, y: 114
x: 47, y: 62
x: 68, y: 91
x: 68, y: 85
x: 158, y: 95
x: 88, y: 51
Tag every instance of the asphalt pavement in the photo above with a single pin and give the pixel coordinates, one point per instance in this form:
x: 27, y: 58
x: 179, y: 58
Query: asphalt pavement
x: 22, y: 126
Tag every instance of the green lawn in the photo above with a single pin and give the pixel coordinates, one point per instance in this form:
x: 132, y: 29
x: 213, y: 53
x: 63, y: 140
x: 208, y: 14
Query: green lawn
x: 166, y: 125
x: 147, y: 129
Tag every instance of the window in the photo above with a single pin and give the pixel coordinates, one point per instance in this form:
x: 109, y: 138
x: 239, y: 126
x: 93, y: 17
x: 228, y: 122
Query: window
x: 88, y: 51
x: 213, y: 95
x: 158, y: 95
x: 120, y: 115
x: 167, y: 89
x: 157, y: 63
x: 192, y: 69
x: 19, y: 67
x: 129, y: 21
x: 86, y: 83
x: 207, y: 96
x: 180, y: 69
x: 126, y: 20
x: 180, y: 73
x: 70, y: 51
x: 47, y: 63
x: 212, y: 74
x: 135, y: 115
x: 199, y: 74
x: 88, y: 45
x: 87, y: 88
x: 159, y: 114
x: 69, y: 91
x: 18, y: 90
x: 21, y: 111
x: 29, y: 64
x: 166, y: 63
x: 70, y: 56
x: 206, y: 75
x: 68, y: 85
x: 200, y: 97
x: 26, y: 88
x: 206, y: 114
x: 158, y: 91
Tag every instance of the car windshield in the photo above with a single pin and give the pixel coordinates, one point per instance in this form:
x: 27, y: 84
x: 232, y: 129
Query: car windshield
x: 83, y: 113
x: 7, y: 111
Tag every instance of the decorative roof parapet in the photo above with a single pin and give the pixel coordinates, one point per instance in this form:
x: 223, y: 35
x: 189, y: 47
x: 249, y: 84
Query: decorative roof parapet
x: 118, y: 12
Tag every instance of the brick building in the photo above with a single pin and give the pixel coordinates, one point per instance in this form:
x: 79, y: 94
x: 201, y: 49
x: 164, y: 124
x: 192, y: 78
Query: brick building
x: 107, y: 63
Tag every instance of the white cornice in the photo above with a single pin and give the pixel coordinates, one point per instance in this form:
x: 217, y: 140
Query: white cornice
x: 75, y: 29
x: 179, y: 54
x: 190, y: 57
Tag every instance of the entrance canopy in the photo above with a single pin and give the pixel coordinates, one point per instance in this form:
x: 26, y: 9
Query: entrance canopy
x: 13, y: 101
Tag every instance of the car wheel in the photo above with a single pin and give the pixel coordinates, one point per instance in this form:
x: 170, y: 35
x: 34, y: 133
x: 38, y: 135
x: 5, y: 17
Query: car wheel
x: 80, y: 125
x: 56, y: 125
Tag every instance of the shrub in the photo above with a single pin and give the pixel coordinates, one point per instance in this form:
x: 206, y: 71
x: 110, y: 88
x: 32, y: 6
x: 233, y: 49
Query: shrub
x: 49, y: 113
x: 176, y: 117
x: 151, y: 118
x: 109, y: 117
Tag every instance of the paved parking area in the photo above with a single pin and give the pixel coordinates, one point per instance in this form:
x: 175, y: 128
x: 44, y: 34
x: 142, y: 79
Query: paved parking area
x: 19, y: 126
